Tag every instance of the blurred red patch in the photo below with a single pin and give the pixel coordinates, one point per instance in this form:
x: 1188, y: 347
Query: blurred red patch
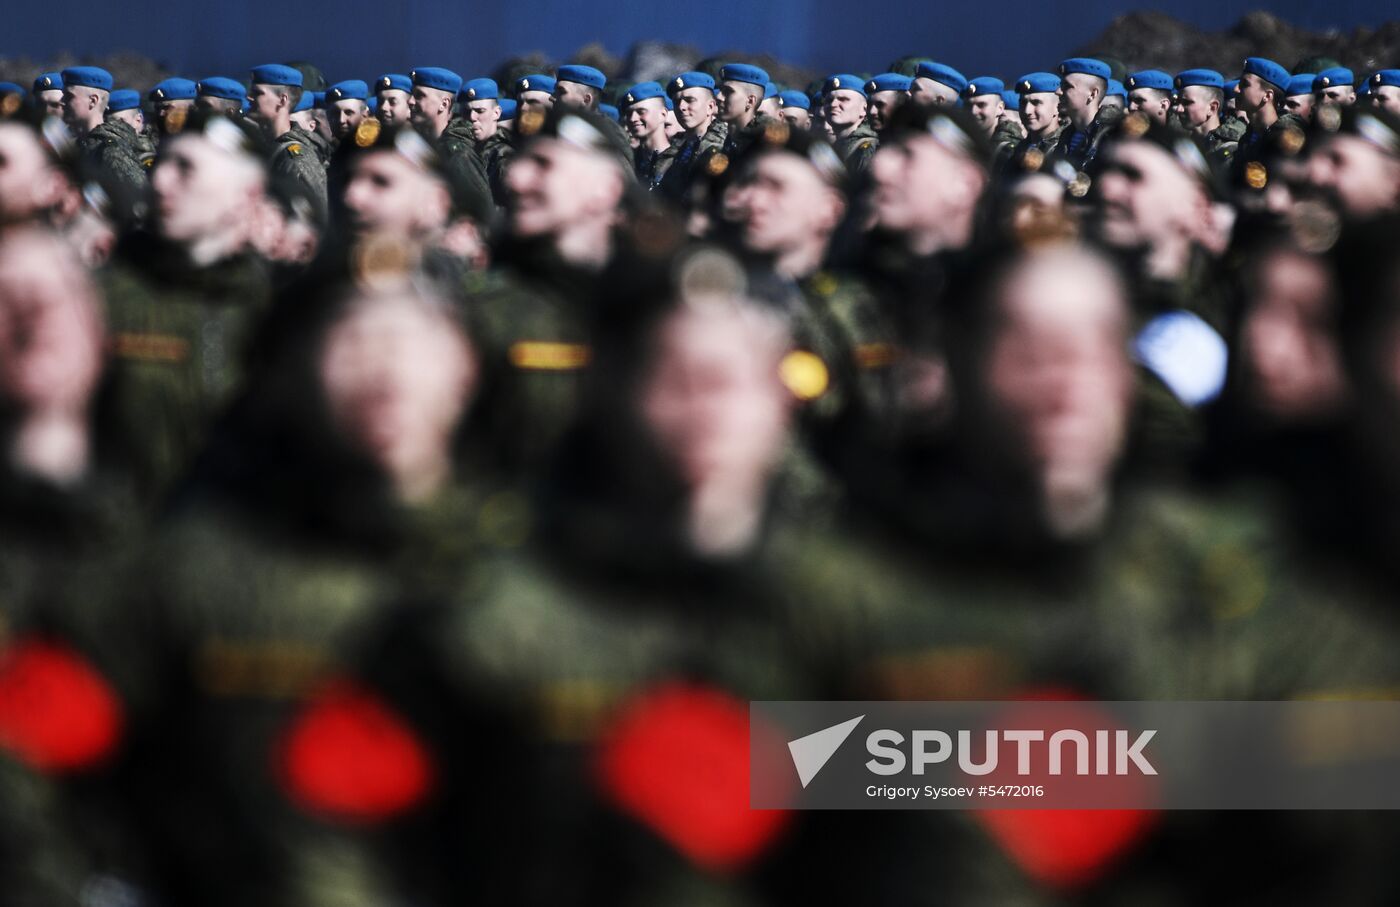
x: 348, y: 757
x: 677, y: 760
x: 57, y: 713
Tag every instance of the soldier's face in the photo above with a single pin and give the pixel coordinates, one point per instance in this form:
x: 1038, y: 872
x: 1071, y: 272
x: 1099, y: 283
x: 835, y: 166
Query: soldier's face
x: 930, y: 93
x: 1151, y: 103
x: 535, y: 100
x: 769, y: 107
x: 1057, y: 374
x: 1198, y: 105
x: 393, y: 107
x: 51, y: 332
x: 919, y: 186
x: 695, y: 107
x: 265, y: 101
x: 1386, y: 97
x: 1145, y: 198
x: 387, y: 195
x: 483, y: 116
x: 132, y: 118
x: 798, y: 118
x: 78, y: 104
x: 574, y: 94
x: 426, y: 106
x: 50, y: 102
x: 844, y: 108
x: 305, y: 120
x: 883, y: 104
x: 673, y: 125
x: 1341, y: 95
x: 553, y: 186
x: 646, y: 117
x: 712, y: 398
x: 782, y: 205
x: 737, y: 100
x: 397, y: 377
x: 1252, y: 93
x: 1079, y: 93
x: 29, y: 184
x: 1040, y: 111
x: 1300, y: 105
x: 1114, y: 101
x: 1363, y: 180
x: 346, y: 116
x: 202, y: 191
x: 1291, y: 362
x: 987, y: 109
x: 168, y: 112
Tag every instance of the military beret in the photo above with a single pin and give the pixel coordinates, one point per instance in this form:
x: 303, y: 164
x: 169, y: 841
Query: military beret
x: 794, y: 99
x: 437, y: 77
x: 1364, y: 88
x: 220, y: 87
x: 983, y: 85
x: 372, y: 102
x: 1011, y: 99
x: 481, y: 90
x: 643, y: 91
x: 945, y: 75
x: 1149, y: 78
x: 508, y: 108
x: 1300, y: 84
x: 352, y: 90
x: 174, y: 90
x: 583, y: 75
x: 888, y: 81
x: 48, y: 81
x: 844, y: 82
x: 1116, y: 89
x: 670, y: 105
x: 610, y: 112
x: 1207, y: 78
x: 276, y: 74
x: 535, y: 82
x: 1389, y: 77
x: 308, y: 101
x: 770, y: 90
x: 1231, y: 86
x: 15, y: 88
x: 88, y: 77
x: 690, y: 80
x: 1334, y: 77
x: 121, y: 99
x: 392, y: 81
x: 318, y: 99
x: 1037, y: 83
x: 743, y: 72
x: 1086, y: 65
x: 1267, y: 70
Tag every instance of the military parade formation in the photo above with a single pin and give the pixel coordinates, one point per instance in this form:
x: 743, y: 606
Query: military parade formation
x: 409, y: 482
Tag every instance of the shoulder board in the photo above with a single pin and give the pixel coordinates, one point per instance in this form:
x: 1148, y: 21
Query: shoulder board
x: 549, y: 356
x: 150, y: 347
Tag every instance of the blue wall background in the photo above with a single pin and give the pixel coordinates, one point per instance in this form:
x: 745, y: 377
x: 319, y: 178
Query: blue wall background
x: 362, y: 38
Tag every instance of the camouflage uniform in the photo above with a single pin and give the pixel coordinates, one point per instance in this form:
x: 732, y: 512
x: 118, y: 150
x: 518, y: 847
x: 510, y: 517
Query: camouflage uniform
x: 857, y: 147
x: 495, y: 155
x: 680, y: 160
x: 294, y: 158
x: 1030, y: 155
x: 114, y: 154
x: 315, y: 140
x: 465, y: 171
x: 1081, y: 146
x: 1005, y: 137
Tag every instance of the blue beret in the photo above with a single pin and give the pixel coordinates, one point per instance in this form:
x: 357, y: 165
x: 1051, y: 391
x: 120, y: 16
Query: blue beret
x: 372, y: 102
x: 1331, y: 78
x: 794, y: 99
x: 1149, y: 78
x: 945, y: 75
x: 1267, y: 70
x: 15, y: 88
x: 88, y: 77
x: 743, y: 72
x: 583, y: 75
x: 437, y: 77
x: 1116, y: 89
x: 690, y: 80
x: 643, y: 91
x: 318, y: 99
x: 1302, y: 83
x: 121, y: 99
x: 1037, y: 83
x: 770, y: 90
x: 983, y: 85
x: 48, y: 81
x: 481, y: 90
x: 1231, y: 86
x: 308, y: 101
x: 843, y: 81
x: 392, y: 81
x: 276, y: 74
x: 1011, y: 99
x: 1087, y: 65
x: 888, y: 81
x: 220, y: 87
x: 508, y: 107
x: 352, y: 90
x: 670, y: 105
x: 174, y: 90
x: 1208, y: 78
x: 610, y: 112
x: 1385, y: 77
x: 535, y: 82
